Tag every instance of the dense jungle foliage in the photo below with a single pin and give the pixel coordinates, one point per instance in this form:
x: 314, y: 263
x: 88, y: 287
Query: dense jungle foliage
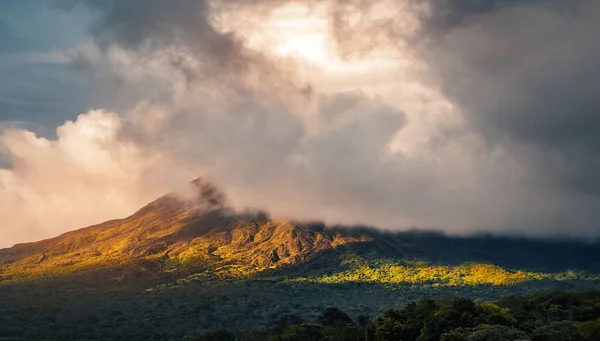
x: 554, y: 316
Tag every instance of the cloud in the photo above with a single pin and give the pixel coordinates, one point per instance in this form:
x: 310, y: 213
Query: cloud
x: 445, y: 15
x: 83, y: 177
x: 525, y: 75
x: 461, y: 116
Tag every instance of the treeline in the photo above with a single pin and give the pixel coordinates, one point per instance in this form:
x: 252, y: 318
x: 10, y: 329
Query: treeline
x: 556, y: 316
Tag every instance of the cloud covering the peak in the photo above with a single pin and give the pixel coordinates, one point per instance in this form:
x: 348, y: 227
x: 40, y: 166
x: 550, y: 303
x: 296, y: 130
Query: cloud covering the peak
x: 453, y: 115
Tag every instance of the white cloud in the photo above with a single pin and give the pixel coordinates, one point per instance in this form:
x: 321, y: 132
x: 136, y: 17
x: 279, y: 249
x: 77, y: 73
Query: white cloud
x: 85, y: 176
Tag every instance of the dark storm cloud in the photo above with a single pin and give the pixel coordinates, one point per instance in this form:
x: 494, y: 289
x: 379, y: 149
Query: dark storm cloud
x: 185, y: 33
x: 447, y: 14
x: 527, y: 75
x: 153, y: 24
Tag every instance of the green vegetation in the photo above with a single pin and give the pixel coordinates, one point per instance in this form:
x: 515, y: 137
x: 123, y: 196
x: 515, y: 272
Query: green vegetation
x: 387, y: 271
x: 551, y: 316
x: 556, y: 316
x: 146, y: 305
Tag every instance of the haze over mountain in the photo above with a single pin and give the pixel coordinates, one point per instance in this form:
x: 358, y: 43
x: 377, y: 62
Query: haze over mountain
x: 461, y: 116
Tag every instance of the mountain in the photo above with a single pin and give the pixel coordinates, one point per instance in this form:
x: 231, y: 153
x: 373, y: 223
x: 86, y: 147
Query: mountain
x: 194, y: 232
x: 198, y: 232
x: 187, y: 262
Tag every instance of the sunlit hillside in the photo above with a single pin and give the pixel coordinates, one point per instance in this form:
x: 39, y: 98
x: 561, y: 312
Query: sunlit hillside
x: 173, y: 233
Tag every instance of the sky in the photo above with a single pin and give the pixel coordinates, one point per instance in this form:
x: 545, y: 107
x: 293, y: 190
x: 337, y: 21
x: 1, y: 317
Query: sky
x: 459, y: 116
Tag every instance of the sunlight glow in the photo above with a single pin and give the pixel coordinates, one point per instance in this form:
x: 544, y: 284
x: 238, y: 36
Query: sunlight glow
x: 300, y: 33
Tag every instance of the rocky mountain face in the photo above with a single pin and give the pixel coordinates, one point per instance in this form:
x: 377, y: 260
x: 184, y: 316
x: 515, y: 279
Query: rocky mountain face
x: 174, y: 231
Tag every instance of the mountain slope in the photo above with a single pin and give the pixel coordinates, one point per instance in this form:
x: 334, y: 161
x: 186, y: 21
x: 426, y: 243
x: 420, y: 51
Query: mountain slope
x: 172, y: 231
x: 180, y: 235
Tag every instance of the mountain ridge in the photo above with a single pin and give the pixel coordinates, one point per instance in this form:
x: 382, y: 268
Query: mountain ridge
x: 196, y: 231
x: 185, y: 230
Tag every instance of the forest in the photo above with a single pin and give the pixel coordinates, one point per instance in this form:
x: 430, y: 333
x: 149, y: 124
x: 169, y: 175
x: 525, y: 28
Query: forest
x: 545, y: 316
x: 552, y: 316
